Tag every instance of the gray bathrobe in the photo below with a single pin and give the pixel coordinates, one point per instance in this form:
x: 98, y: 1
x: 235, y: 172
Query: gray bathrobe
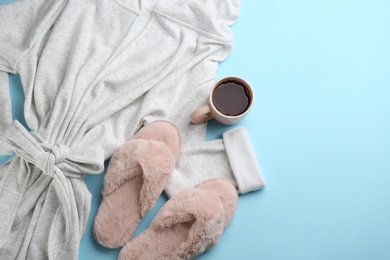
x: 93, y: 73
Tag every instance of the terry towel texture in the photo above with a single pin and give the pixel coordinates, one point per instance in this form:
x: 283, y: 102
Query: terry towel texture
x: 93, y: 73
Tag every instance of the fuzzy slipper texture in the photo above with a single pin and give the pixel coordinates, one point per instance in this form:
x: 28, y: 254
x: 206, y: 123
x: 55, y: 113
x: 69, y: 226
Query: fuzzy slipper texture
x: 189, y: 223
x: 135, y: 178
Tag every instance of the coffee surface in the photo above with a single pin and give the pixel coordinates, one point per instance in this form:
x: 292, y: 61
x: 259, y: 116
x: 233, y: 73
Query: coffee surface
x: 231, y: 98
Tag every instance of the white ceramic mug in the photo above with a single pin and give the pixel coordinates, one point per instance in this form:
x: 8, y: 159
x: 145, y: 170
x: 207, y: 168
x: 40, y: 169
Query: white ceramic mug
x: 230, y: 100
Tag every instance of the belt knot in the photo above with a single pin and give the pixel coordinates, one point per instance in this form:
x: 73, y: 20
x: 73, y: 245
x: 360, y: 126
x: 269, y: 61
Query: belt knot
x: 51, y: 156
x: 33, y: 149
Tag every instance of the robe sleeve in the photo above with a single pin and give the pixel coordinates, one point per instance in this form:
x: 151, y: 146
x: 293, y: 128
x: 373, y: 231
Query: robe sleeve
x: 22, y: 24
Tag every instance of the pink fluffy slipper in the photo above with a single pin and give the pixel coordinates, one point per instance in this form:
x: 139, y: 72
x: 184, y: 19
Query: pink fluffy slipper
x: 135, y: 178
x: 189, y: 223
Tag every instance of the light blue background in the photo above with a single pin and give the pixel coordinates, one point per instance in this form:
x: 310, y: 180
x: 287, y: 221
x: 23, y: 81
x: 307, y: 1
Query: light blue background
x: 320, y: 126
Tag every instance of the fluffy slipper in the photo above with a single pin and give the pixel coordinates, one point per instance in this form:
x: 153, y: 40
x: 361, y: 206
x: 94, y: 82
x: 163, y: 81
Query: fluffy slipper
x: 135, y: 178
x: 190, y: 222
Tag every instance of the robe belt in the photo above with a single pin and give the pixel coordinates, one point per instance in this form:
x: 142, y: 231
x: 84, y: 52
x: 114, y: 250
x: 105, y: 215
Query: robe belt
x: 30, y: 147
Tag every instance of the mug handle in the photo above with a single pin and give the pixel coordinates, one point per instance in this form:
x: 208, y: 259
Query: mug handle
x: 201, y: 115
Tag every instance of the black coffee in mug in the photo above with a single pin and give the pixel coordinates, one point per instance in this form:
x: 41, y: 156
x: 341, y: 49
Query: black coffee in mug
x: 231, y: 97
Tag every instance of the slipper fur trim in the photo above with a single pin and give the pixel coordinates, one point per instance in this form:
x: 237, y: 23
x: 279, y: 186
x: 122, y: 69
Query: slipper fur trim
x: 189, y: 223
x: 226, y: 192
x: 150, y: 158
x: 204, y: 209
x: 136, y: 176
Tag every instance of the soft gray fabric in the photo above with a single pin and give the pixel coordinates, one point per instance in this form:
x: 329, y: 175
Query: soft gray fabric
x: 242, y: 158
x: 5, y: 109
x: 232, y: 157
x: 93, y: 73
